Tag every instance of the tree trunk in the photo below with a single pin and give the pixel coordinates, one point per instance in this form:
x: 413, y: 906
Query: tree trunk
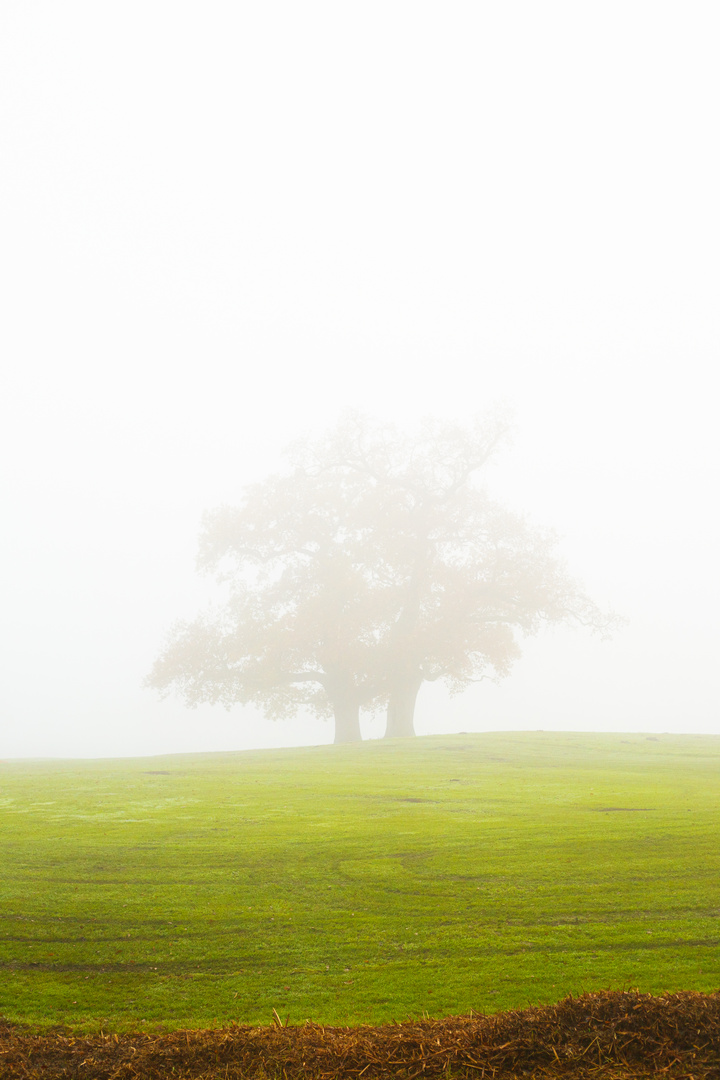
x: 401, y: 706
x: 347, y: 720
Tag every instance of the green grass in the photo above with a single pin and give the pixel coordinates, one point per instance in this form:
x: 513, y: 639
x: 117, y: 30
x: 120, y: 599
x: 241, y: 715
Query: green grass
x: 363, y: 883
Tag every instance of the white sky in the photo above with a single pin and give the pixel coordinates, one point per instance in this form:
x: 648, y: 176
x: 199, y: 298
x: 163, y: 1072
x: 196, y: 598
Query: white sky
x: 221, y: 223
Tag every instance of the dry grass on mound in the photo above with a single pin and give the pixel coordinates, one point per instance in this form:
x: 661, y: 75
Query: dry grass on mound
x: 618, y: 1035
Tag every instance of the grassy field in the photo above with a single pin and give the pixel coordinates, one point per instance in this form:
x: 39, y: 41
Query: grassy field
x: 362, y: 883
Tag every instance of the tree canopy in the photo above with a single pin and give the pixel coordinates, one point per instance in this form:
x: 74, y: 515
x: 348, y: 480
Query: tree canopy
x: 376, y: 562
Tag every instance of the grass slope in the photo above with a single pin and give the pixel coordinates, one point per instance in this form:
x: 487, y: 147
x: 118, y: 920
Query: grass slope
x: 358, y: 884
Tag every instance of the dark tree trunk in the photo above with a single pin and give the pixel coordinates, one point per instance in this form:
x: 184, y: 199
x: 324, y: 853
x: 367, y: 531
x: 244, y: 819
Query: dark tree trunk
x: 347, y: 720
x: 401, y: 705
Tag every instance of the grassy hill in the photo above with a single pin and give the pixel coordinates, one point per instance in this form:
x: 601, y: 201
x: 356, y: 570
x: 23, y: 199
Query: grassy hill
x: 360, y: 883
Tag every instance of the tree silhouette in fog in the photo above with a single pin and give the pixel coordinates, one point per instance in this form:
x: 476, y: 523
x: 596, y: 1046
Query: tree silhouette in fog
x: 375, y: 563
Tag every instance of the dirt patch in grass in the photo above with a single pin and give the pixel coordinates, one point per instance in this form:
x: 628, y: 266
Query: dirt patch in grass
x: 613, y: 1035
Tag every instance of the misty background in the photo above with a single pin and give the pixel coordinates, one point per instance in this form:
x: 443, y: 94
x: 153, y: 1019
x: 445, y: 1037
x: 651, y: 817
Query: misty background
x: 221, y: 224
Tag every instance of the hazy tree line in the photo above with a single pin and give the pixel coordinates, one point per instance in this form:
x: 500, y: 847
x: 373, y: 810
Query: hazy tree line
x: 375, y: 563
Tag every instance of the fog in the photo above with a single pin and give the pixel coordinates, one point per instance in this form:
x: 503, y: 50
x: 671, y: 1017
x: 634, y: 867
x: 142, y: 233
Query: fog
x: 223, y: 224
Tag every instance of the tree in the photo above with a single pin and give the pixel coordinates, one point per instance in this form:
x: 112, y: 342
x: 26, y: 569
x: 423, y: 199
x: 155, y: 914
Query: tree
x: 375, y: 564
x: 298, y: 628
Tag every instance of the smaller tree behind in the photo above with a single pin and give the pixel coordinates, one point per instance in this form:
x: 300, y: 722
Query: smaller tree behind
x: 375, y: 564
x: 466, y: 578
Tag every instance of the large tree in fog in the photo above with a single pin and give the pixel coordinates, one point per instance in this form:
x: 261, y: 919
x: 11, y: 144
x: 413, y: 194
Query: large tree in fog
x: 299, y: 627
x: 375, y: 563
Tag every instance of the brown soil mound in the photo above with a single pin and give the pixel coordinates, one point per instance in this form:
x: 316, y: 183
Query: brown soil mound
x: 618, y: 1035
